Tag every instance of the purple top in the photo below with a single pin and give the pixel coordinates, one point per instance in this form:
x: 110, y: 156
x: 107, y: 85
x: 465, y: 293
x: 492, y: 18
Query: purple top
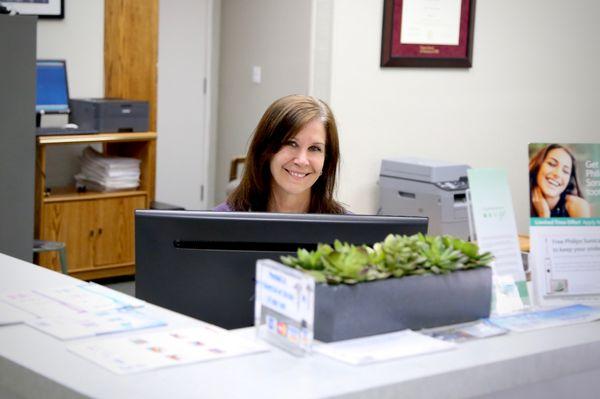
x: 223, y: 207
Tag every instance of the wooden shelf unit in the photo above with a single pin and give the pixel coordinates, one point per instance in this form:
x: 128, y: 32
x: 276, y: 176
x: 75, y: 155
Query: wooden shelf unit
x: 97, y: 227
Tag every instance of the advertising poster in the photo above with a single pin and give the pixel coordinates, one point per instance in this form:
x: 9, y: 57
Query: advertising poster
x: 564, y: 202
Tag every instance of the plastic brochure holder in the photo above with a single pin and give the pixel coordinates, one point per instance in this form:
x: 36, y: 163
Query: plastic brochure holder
x: 505, y: 292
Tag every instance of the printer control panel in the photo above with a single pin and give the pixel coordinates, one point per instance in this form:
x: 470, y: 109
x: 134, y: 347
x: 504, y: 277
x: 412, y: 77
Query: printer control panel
x: 455, y: 185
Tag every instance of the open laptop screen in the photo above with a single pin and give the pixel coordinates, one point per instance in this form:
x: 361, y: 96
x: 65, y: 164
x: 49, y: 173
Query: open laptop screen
x: 52, y: 93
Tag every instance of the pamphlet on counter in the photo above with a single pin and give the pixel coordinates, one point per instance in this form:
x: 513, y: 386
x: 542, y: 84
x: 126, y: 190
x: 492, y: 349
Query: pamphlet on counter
x: 80, y: 310
x: 383, y: 347
x: 528, y: 321
x: 565, y: 223
x: 69, y: 300
x: 143, y: 352
x: 11, y: 315
x: 95, y: 323
x: 466, y: 332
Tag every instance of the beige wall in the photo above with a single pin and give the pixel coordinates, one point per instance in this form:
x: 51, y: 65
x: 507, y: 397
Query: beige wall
x: 534, y: 79
x: 272, y: 34
x: 79, y: 39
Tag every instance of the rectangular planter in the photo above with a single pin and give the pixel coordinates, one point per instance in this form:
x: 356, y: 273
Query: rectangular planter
x: 415, y: 302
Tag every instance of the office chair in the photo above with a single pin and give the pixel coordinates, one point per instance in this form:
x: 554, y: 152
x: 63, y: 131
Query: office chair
x: 234, y: 181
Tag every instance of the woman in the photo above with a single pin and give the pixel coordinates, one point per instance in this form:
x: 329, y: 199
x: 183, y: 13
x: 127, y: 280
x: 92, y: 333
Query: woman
x: 554, y: 187
x: 292, y: 161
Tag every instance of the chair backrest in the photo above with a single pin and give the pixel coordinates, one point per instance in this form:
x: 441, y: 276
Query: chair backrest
x: 234, y: 180
x: 234, y: 166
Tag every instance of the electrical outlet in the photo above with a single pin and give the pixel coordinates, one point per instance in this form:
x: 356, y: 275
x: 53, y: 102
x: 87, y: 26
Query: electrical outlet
x: 256, y: 74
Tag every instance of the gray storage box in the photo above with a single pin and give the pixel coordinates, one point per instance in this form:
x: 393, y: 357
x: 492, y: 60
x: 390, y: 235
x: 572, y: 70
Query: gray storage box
x: 110, y: 114
x: 414, y: 302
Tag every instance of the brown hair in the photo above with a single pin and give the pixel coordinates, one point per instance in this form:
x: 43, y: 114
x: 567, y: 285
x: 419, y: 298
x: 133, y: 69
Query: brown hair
x: 536, y: 162
x: 280, y: 123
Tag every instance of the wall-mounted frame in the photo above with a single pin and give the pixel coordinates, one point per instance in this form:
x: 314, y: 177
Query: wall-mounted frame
x: 427, y: 33
x: 41, y: 8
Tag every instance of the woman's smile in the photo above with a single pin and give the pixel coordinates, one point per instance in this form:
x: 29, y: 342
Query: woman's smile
x: 296, y: 174
x: 552, y: 181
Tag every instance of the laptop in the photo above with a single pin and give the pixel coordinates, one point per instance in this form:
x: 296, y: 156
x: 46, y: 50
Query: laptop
x: 52, y: 99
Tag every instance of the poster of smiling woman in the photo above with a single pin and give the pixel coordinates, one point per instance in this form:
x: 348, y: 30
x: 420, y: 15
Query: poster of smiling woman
x: 564, y: 199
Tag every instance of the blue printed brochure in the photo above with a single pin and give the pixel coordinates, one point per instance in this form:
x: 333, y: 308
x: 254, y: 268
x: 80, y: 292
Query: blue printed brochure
x: 528, y: 321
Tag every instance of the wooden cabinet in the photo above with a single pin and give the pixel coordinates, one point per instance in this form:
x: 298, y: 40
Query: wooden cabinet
x: 97, y: 227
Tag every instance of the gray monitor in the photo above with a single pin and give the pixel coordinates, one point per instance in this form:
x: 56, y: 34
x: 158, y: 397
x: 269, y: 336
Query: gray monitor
x: 202, y: 263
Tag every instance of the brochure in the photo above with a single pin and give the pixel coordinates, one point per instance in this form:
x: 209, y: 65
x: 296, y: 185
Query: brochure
x: 528, y: 321
x: 384, y: 347
x: 11, y: 315
x: 564, y: 181
x: 144, y: 352
x: 466, y: 332
x: 69, y: 300
x: 80, y: 310
x: 95, y: 323
x: 494, y: 223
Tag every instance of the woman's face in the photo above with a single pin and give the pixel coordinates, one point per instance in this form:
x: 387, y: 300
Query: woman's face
x: 555, y: 172
x: 299, y: 162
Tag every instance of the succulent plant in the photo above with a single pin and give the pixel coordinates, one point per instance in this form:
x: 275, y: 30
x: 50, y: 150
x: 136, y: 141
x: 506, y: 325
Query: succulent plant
x: 396, y: 256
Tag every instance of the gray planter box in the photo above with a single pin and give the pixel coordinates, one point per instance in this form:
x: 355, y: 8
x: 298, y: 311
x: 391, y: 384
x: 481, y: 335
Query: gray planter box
x: 415, y: 302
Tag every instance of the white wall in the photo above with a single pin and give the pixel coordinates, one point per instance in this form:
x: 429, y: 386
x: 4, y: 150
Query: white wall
x: 272, y: 34
x: 79, y: 39
x: 534, y: 79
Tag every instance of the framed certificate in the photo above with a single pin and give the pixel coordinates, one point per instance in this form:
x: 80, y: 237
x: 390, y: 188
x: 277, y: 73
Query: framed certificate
x: 427, y: 33
x: 41, y: 8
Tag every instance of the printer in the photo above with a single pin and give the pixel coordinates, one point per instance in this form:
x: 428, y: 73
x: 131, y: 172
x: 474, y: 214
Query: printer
x: 422, y: 187
x: 110, y: 114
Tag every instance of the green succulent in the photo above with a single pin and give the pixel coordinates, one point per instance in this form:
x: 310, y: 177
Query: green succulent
x: 397, y: 256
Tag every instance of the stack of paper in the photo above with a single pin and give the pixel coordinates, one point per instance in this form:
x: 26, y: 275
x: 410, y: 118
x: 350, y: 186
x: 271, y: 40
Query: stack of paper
x: 102, y: 173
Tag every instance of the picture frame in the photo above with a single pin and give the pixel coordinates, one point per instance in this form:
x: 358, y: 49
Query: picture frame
x: 427, y: 33
x: 42, y: 8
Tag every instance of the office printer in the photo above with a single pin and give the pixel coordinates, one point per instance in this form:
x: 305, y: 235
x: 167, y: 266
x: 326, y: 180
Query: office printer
x: 110, y: 114
x: 422, y: 187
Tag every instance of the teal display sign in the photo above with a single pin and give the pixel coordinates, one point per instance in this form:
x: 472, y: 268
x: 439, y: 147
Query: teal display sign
x: 564, y: 188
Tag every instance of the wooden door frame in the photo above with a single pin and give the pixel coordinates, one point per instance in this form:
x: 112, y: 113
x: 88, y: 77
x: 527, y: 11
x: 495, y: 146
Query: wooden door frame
x: 130, y: 59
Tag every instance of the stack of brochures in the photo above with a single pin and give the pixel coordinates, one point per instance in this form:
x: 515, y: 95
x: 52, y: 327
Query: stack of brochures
x: 102, y: 173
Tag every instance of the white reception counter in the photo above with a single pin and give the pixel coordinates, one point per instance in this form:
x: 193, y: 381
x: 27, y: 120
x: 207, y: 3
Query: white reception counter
x: 557, y: 362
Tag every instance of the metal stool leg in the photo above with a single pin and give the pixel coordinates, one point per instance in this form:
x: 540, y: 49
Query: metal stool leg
x: 62, y: 254
x: 46, y: 246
